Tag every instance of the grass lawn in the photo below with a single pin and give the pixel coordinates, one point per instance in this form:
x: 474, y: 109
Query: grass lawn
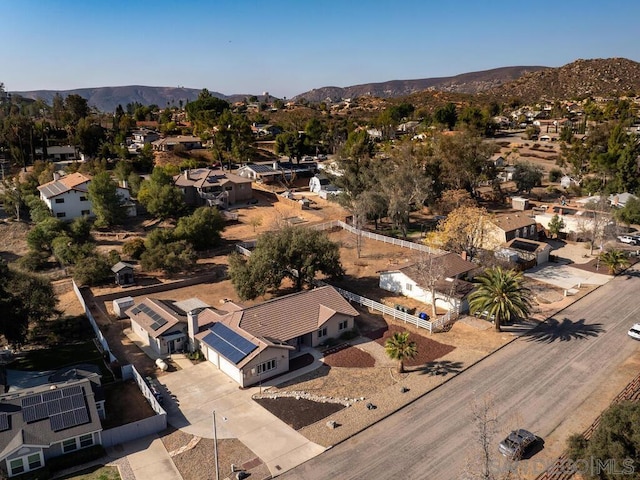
x: 62, y: 356
x: 99, y: 472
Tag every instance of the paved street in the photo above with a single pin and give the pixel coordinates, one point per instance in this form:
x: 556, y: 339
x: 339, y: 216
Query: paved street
x: 536, y: 382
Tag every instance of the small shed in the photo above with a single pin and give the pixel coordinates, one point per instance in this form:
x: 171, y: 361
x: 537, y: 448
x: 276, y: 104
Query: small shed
x: 120, y: 305
x: 123, y: 273
x: 519, y: 203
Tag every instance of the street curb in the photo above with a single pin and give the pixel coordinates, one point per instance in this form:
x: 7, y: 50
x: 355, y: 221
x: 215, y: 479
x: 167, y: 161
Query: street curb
x: 459, y: 373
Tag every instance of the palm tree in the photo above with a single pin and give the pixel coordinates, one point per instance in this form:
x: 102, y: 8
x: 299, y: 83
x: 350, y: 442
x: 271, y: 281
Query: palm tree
x: 614, y: 260
x: 501, y: 294
x: 398, y: 347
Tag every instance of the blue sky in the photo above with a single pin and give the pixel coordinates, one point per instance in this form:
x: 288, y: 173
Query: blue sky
x: 287, y: 47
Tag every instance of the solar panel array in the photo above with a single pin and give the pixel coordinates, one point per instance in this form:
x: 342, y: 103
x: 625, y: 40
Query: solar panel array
x: 4, y: 422
x: 158, y: 320
x: 228, y: 343
x: 65, y: 407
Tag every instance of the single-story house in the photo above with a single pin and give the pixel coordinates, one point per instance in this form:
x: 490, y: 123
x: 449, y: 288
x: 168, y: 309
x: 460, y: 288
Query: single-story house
x: 503, y: 228
x: 528, y: 250
x: 160, y: 324
x: 168, y: 144
x: 619, y: 200
x: 575, y: 219
x: 255, y: 343
x: 58, y: 153
x: 40, y: 423
x: 451, y: 288
x: 67, y: 196
x: 260, y: 172
x: 123, y: 273
x: 213, y: 187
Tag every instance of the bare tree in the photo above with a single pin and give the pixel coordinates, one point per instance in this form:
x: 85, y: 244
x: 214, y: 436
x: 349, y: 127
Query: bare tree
x: 593, y: 223
x: 430, y: 270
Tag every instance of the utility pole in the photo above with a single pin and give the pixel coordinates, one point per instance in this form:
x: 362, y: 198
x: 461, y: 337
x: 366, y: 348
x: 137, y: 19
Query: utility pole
x: 215, y: 445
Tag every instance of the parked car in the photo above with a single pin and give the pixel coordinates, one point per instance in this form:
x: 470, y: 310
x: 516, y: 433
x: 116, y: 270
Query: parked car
x: 628, y: 239
x: 517, y: 443
x: 634, y: 332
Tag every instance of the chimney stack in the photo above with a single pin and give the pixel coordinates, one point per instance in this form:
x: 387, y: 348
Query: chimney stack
x: 192, y: 328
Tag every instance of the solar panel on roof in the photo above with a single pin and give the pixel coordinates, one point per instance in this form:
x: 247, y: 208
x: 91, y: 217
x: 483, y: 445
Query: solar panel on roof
x: 31, y: 400
x: 70, y: 391
x: 52, y: 395
x: 77, y: 401
x: 135, y: 310
x: 54, y: 407
x: 228, y: 343
x: 4, y: 422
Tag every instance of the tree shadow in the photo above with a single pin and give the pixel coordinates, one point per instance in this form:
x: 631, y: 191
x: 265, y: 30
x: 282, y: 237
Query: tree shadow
x: 553, y: 330
x: 438, y: 368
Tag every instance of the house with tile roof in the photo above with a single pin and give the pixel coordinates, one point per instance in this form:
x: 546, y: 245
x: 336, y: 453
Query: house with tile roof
x: 213, y: 187
x: 451, y: 288
x: 39, y: 423
x: 67, y: 196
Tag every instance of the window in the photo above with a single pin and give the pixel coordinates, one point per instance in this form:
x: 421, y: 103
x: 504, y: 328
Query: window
x: 69, y: 445
x: 266, y: 366
x: 59, y: 200
x: 343, y: 325
x: 228, y: 189
x: 532, y: 230
x: 86, y: 212
x: 409, y: 287
x: 86, y: 440
x: 34, y: 461
x: 517, y: 233
x: 322, y: 332
x: 61, y: 214
x: 16, y: 466
x: 83, y: 199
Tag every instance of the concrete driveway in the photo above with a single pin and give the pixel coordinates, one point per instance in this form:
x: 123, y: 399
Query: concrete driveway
x: 195, y: 392
x: 565, y: 276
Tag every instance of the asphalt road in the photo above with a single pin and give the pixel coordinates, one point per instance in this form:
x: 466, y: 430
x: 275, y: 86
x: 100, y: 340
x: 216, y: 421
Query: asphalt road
x: 535, y: 383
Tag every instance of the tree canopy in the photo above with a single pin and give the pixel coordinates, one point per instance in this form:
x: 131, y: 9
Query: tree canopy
x: 107, y: 203
x: 296, y: 252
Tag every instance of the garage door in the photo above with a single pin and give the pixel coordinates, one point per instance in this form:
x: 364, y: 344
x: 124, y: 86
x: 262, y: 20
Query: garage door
x: 212, y: 355
x: 230, y: 369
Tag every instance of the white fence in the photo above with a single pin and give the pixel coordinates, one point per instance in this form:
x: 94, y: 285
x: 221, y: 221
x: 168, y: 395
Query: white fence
x: 92, y: 321
x: 379, y: 238
x: 141, y: 428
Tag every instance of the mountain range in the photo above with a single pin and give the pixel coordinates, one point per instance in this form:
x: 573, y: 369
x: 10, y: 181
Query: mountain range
x: 595, y: 77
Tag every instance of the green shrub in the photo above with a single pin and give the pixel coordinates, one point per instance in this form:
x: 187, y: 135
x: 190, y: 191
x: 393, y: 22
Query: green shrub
x: 349, y: 335
x: 555, y: 175
x: 33, y: 261
x: 134, y: 248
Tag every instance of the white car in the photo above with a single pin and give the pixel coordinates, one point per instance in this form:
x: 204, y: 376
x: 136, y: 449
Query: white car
x: 634, y: 332
x: 627, y: 239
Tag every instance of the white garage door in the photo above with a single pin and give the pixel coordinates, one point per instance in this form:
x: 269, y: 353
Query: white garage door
x: 212, y: 355
x: 230, y: 369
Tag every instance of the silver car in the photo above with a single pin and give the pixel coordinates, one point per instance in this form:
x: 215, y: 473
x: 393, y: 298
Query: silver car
x: 516, y: 443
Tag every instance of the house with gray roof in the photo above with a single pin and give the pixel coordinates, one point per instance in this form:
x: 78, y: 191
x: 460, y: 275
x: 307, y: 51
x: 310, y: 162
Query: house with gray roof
x: 213, y: 187
x: 260, y: 173
x: 39, y: 423
x: 67, y: 196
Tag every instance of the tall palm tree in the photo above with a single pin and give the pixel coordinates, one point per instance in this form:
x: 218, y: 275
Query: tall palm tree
x: 398, y: 347
x: 501, y: 294
x: 614, y: 260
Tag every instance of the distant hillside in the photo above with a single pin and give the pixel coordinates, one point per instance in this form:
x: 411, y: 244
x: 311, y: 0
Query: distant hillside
x: 473, y: 82
x: 106, y: 99
x: 579, y: 79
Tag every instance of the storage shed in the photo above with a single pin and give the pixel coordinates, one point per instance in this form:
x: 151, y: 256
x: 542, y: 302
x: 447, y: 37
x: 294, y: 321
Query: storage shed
x: 123, y: 273
x: 120, y: 305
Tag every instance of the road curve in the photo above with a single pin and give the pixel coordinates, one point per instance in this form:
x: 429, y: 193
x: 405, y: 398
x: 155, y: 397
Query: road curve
x: 535, y: 382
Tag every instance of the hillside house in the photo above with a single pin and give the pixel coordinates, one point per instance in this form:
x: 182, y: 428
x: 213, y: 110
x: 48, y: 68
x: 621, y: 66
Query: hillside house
x: 260, y: 173
x: 168, y: 144
x: 67, y: 196
x: 213, y: 187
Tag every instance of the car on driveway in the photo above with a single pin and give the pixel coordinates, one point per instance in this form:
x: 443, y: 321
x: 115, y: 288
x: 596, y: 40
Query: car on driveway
x: 628, y: 239
x: 634, y: 332
x: 517, y: 443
